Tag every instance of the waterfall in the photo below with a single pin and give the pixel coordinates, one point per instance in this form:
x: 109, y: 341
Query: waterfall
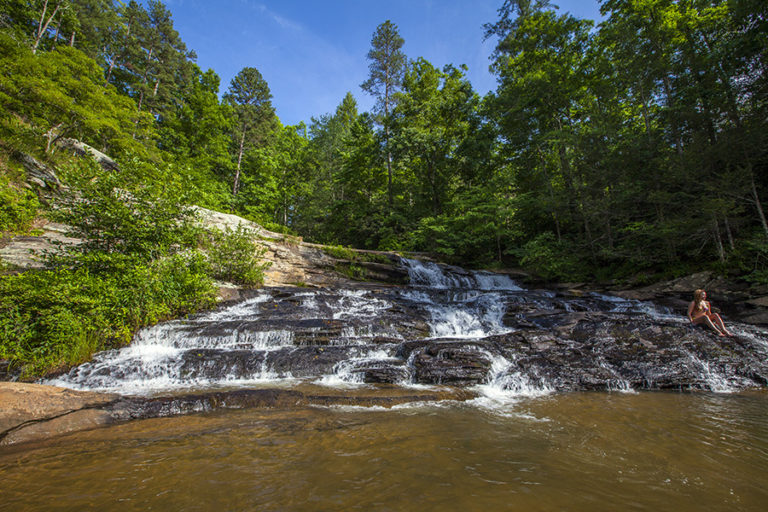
x: 451, y: 326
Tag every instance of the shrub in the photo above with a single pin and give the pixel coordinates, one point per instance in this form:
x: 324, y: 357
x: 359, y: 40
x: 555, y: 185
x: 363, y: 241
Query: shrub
x: 59, y: 317
x: 344, y: 253
x: 235, y: 256
x: 550, y: 258
x: 18, y: 207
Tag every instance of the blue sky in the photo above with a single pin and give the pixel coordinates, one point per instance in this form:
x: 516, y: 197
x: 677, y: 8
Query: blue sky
x: 312, y: 52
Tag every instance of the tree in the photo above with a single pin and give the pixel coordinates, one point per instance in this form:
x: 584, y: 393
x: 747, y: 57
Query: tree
x: 47, y: 14
x: 62, y: 93
x: 431, y: 120
x: 328, y: 137
x: 386, y: 67
x: 250, y: 97
x: 197, y: 133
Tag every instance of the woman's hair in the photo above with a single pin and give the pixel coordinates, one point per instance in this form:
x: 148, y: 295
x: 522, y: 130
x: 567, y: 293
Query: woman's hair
x: 697, y: 296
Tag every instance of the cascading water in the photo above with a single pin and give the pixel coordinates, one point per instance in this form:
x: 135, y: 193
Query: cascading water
x: 450, y: 326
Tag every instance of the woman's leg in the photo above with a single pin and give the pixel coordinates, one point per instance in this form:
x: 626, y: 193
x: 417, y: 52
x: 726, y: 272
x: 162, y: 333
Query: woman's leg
x: 704, y: 319
x: 719, y: 323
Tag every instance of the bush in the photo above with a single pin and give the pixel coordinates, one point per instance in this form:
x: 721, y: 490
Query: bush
x: 59, y: 317
x: 139, y: 212
x: 344, y: 253
x: 235, y: 256
x: 135, y: 266
x: 18, y: 207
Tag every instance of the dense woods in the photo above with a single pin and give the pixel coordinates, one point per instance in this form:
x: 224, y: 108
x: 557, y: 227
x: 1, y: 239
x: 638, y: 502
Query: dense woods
x: 632, y: 150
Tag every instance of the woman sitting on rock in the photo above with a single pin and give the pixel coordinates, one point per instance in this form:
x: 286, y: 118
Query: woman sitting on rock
x: 700, y: 312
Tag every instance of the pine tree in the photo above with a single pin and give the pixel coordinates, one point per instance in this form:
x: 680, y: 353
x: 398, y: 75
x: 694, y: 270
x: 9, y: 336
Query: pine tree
x: 387, y: 66
x: 249, y: 94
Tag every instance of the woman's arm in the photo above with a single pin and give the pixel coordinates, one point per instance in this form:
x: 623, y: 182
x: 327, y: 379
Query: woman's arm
x: 690, y: 310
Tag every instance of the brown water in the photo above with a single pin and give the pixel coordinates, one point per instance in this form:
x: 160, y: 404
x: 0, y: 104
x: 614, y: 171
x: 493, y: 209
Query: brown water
x: 588, y: 451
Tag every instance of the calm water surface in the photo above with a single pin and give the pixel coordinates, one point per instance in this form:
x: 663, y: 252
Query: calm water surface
x: 588, y: 451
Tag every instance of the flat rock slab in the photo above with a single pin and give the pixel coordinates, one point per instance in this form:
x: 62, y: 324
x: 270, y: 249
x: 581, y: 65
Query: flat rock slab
x: 34, y: 412
x: 25, y: 406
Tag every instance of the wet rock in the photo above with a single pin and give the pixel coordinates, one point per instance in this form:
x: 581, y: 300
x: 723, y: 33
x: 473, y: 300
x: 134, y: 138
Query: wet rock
x: 605, y: 351
x: 7, y: 371
x: 34, y: 411
x: 217, y: 364
x: 382, y: 372
x: 158, y: 407
x: 309, y: 361
x: 385, y: 272
x: 456, y: 363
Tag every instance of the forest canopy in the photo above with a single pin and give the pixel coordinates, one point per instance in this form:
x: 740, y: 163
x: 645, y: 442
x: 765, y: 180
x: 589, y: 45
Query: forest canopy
x: 632, y: 149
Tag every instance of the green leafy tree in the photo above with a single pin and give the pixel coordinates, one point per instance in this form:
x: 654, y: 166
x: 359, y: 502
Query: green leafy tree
x: 327, y: 186
x: 250, y: 97
x: 197, y: 132
x: 432, y: 118
x: 386, y: 68
x: 62, y: 94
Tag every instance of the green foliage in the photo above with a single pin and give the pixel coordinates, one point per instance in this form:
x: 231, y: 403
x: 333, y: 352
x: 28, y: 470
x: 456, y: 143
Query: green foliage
x: 250, y: 98
x: 753, y: 260
x: 62, y: 93
x: 344, y: 253
x: 551, y: 259
x: 57, y: 318
x: 352, y: 271
x: 135, y: 266
x: 235, y: 256
x: 139, y: 213
x: 339, y: 252
x: 18, y: 207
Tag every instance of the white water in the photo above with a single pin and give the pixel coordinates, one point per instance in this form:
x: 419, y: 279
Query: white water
x: 358, y: 329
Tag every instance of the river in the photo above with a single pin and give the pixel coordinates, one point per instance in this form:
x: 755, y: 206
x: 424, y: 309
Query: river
x: 576, y: 451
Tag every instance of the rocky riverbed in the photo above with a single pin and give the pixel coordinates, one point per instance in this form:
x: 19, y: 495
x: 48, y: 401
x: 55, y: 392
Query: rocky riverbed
x: 411, y: 324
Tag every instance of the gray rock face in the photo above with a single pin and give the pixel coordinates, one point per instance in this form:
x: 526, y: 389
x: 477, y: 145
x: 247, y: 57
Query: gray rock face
x: 447, y: 337
x: 84, y: 149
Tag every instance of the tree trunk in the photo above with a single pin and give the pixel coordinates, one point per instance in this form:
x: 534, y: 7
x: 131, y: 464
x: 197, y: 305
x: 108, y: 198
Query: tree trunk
x: 72, y: 39
x: 109, y: 71
x: 729, y: 233
x: 239, y: 161
x: 646, y: 121
x: 433, y: 186
x: 389, y: 168
x: 673, y: 122
x: 551, y: 197
x: 43, y: 25
x: 138, y: 115
x: 758, y: 204
x: 718, y: 239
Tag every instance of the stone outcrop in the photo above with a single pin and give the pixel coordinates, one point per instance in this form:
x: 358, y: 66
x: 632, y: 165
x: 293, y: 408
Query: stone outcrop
x: 26, y: 251
x: 292, y: 262
x: 83, y: 149
x: 34, y: 412
x: 39, y: 175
